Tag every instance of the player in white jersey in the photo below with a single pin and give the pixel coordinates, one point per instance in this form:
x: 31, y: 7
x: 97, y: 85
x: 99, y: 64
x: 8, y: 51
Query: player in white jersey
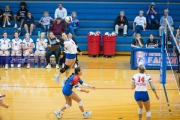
x: 139, y: 83
x: 28, y: 46
x: 5, y: 45
x: 16, y: 47
x: 41, y: 45
x: 71, y: 51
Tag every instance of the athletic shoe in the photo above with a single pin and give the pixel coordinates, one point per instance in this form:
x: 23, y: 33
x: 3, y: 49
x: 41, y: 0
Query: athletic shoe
x: 19, y: 65
x: 63, y: 81
x: 57, y: 66
x: 9, y: 23
x: 15, y: 26
x: 42, y: 65
x: 48, y: 66
x: 35, y: 65
x: 57, y: 114
x: 87, y: 114
x: 6, y: 66
x: 12, y: 65
x: 75, y: 65
x: 28, y: 66
x: 63, y: 65
x: 56, y: 77
x: 3, y: 26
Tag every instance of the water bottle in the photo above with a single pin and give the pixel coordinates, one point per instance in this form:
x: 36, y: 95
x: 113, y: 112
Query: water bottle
x: 39, y: 32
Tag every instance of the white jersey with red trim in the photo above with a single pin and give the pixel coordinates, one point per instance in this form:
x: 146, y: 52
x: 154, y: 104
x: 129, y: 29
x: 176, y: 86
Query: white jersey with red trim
x: 16, y: 44
x: 39, y: 45
x: 27, y: 43
x: 5, y: 43
x: 71, y: 46
x: 141, y: 81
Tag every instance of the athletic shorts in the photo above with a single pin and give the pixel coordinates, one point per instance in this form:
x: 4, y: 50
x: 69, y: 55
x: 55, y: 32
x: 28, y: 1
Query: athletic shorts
x: 67, y: 91
x: 141, y: 96
x: 70, y: 56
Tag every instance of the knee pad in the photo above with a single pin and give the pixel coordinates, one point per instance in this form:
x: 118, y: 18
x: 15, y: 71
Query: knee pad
x: 64, y: 68
x: 148, y: 114
x: 80, y: 103
x: 139, y: 110
x: 67, y: 106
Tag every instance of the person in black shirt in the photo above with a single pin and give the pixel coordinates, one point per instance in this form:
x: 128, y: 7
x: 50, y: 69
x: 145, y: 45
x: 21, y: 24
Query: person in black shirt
x: 151, y: 42
x: 22, y: 12
x: 137, y: 42
x: 53, y: 48
x: 1, y: 17
x: 121, y: 22
x: 7, y: 15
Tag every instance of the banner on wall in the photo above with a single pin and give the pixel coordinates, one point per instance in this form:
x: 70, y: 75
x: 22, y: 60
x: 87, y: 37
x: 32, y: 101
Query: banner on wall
x: 148, y: 58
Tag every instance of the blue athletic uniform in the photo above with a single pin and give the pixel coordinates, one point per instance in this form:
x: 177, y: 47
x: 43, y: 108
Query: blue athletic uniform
x: 72, y: 81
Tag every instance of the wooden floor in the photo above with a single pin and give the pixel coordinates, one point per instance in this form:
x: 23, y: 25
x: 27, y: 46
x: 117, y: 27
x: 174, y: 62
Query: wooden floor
x: 33, y: 94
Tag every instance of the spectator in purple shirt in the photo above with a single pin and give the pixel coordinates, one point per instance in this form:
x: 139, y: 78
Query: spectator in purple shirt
x: 46, y: 22
x: 29, y: 23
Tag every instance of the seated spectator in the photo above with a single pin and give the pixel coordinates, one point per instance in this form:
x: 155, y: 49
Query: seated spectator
x: 16, y: 47
x: 57, y: 28
x: 121, y: 22
x: 152, y: 17
x: 28, y: 46
x: 1, y: 17
x: 178, y: 36
x: 41, y: 45
x: 5, y: 46
x: 29, y: 23
x: 169, y: 19
x: 60, y: 12
x: 74, y: 25
x: 53, y: 49
x: 139, y: 23
x: 7, y: 16
x: 151, y: 42
x: 21, y: 14
x: 137, y: 42
x: 46, y: 22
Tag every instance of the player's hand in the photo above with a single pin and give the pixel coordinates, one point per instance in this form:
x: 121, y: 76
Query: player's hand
x: 3, y: 95
x: 157, y: 97
x: 49, y: 45
x: 80, y: 53
x: 87, y: 91
x: 57, y: 40
x: 92, y: 87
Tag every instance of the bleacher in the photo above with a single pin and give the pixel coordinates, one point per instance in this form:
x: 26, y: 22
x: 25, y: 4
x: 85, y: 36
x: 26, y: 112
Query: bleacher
x: 97, y: 16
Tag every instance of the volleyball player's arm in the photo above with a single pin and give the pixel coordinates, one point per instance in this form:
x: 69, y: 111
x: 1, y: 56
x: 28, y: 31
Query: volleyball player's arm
x: 32, y: 45
x: 153, y: 89
x: 37, y: 46
x: 9, y: 45
x: 12, y: 45
x: 86, y: 85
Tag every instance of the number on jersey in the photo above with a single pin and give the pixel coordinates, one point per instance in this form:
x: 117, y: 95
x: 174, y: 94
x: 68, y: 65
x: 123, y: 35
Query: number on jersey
x: 141, y: 79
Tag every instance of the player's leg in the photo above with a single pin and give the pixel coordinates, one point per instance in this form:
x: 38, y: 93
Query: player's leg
x: 3, y: 105
x: 27, y: 55
x: 68, y: 71
x: 6, y: 53
x: 13, y: 53
x: 18, y: 53
x: 140, y: 104
x: 57, y: 55
x: 42, y: 58
x: 36, y: 55
x: 146, y: 102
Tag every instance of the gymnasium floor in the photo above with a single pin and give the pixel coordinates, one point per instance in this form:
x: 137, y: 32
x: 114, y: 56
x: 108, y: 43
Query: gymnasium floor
x: 33, y: 94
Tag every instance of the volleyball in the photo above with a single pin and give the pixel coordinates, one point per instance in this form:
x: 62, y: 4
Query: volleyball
x: 68, y: 19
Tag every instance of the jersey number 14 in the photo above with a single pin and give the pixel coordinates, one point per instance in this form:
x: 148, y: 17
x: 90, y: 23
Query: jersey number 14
x: 140, y: 79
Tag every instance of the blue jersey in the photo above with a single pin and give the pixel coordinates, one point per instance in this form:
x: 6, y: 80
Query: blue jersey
x: 73, y: 81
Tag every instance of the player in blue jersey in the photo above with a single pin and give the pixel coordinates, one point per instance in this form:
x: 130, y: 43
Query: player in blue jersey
x: 70, y: 95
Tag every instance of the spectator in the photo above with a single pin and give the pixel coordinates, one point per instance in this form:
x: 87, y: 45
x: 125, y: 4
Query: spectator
x: 74, y: 25
x: 7, y: 15
x: 29, y: 23
x: 178, y: 30
x: 1, y: 17
x: 60, y: 12
x: 121, y: 23
x: 178, y: 36
x: 139, y: 23
x: 54, y: 49
x: 57, y: 28
x: 152, y: 17
x: 46, y: 22
x: 151, y: 42
x: 169, y: 19
x: 21, y: 14
x: 137, y: 42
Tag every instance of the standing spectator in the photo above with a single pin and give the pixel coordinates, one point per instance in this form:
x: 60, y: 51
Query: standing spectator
x: 57, y: 28
x: 46, y: 22
x: 169, y: 19
x: 7, y: 15
x: 1, y: 17
x: 74, y: 25
x: 121, y: 23
x: 151, y: 42
x: 29, y: 23
x: 139, y: 23
x: 137, y: 42
x: 152, y: 17
x: 21, y: 14
x: 60, y: 12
